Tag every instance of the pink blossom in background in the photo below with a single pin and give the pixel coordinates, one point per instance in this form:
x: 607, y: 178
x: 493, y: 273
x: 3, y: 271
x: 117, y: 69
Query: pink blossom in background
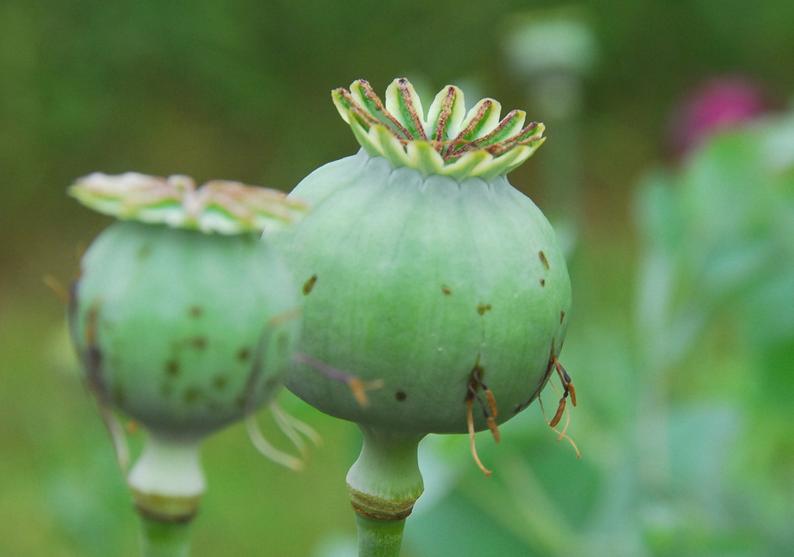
x: 716, y: 105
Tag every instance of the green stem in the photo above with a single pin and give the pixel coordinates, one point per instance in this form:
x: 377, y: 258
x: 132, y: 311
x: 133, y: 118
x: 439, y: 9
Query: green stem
x: 164, y: 539
x: 379, y: 538
x: 167, y: 483
x: 384, y: 483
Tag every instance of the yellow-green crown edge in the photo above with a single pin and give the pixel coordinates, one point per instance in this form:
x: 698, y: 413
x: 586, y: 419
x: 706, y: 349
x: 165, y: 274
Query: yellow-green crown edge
x: 218, y: 206
x: 448, y: 141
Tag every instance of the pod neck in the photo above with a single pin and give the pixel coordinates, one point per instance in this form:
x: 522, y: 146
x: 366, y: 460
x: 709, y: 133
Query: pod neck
x: 167, y: 481
x: 384, y: 483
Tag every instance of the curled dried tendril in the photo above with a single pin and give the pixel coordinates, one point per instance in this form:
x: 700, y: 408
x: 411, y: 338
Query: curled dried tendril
x: 562, y: 408
x: 489, y: 408
x: 219, y: 206
x: 292, y: 428
x: 448, y: 141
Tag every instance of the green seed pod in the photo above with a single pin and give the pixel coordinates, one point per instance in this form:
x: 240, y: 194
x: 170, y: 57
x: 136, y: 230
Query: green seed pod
x: 184, y: 320
x: 427, y: 272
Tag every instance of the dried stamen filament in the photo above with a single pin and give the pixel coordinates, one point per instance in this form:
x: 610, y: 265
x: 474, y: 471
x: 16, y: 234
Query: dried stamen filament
x: 357, y: 386
x: 472, y: 442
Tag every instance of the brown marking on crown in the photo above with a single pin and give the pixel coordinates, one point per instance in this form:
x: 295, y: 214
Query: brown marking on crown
x: 444, y: 114
x: 405, y: 93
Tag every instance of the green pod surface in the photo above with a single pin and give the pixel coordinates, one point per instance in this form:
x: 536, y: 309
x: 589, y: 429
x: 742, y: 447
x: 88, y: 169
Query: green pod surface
x: 433, y: 286
x: 179, y: 329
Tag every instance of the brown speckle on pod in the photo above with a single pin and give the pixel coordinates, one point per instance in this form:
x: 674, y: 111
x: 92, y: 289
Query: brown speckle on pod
x: 542, y: 282
x: 172, y: 368
x: 94, y: 357
x: 446, y: 290
x: 244, y: 354
x: 400, y: 396
x: 220, y: 381
x: 543, y: 260
x: 191, y: 395
x: 195, y: 311
x: 309, y: 284
x: 198, y: 342
x: 482, y: 309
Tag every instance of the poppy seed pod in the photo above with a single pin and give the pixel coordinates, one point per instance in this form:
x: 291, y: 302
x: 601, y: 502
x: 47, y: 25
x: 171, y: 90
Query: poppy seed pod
x: 426, y: 271
x: 183, y: 319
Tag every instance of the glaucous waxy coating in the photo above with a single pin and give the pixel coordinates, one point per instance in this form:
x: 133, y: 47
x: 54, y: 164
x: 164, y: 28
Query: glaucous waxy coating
x: 176, y: 327
x: 425, y: 282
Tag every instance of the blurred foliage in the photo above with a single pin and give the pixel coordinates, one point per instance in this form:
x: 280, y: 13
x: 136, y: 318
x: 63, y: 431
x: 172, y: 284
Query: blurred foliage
x: 694, y: 456
x: 686, y: 389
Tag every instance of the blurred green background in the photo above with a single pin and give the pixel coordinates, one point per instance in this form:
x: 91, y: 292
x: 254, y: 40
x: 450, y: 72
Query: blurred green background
x: 681, y: 252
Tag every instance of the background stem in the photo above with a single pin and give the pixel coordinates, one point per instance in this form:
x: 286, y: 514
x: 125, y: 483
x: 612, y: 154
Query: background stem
x: 379, y: 538
x: 164, y: 539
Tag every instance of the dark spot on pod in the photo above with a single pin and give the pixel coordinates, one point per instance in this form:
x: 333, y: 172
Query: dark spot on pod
x: 220, y: 381
x: 199, y: 342
x: 118, y: 393
x: 191, y: 395
x: 196, y: 311
x: 482, y: 309
x: 542, y: 282
x: 400, y: 395
x: 543, y: 260
x: 446, y: 290
x: 93, y: 354
x: 562, y: 316
x: 144, y: 251
x: 172, y: 368
x: 475, y: 380
x: 282, y: 343
x: 309, y: 284
x: 243, y: 354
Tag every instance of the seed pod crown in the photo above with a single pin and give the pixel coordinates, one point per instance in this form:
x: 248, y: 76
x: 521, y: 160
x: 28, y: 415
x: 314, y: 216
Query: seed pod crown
x: 449, y: 141
x: 219, y: 206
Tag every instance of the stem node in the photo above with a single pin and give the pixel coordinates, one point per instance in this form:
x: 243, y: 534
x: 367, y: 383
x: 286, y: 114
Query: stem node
x: 384, y: 483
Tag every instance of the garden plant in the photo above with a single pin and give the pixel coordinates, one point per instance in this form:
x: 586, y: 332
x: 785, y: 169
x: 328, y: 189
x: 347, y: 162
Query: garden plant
x: 435, y: 300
